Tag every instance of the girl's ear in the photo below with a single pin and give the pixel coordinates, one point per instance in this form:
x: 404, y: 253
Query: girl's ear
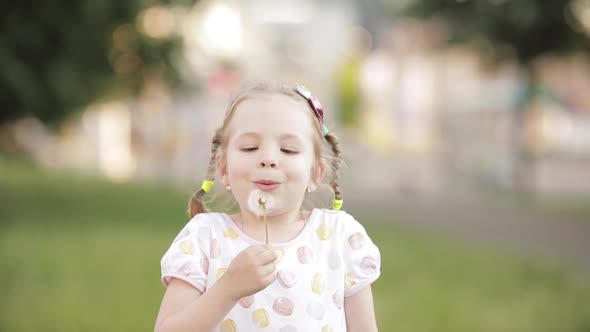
x: 317, y: 174
x: 221, y: 165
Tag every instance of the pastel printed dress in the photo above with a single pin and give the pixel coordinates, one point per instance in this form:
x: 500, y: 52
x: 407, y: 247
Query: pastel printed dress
x: 332, y: 258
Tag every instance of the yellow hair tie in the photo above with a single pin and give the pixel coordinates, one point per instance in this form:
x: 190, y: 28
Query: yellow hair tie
x: 207, y: 185
x: 337, y: 204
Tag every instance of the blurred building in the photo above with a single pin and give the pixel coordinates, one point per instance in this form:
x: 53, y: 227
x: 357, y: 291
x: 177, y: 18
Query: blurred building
x: 413, y: 117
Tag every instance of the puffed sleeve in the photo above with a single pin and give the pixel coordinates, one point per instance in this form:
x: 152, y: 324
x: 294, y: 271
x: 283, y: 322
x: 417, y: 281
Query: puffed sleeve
x: 361, y: 257
x: 186, y: 259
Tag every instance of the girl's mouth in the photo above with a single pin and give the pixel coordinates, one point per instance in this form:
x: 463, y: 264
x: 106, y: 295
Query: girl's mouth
x: 265, y: 185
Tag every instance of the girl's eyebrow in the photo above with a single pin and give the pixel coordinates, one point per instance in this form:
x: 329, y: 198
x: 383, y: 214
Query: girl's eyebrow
x: 291, y: 136
x: 248, y: 134
x: 282, y: 136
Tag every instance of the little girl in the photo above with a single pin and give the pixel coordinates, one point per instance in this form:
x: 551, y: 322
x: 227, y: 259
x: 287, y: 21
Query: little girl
x: 272, y: 266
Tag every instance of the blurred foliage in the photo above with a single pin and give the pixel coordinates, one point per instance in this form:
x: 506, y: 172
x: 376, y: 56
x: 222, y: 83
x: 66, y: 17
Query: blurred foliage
x: 348, y: 93
x: 504, y: 29
x: 528, y: 28
x: 81, y: 254
x: 58, y: 56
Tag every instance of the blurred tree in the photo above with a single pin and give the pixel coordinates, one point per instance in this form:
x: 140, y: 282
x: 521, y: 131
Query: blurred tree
x: 58, y: 56
x: 529, y: 28
x: 523, y: 29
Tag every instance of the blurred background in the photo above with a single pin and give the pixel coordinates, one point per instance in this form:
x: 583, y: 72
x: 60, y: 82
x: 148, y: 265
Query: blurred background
x: 465, y: 128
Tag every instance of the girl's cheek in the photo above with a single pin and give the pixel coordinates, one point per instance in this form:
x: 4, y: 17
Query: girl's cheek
x: 237, y: 173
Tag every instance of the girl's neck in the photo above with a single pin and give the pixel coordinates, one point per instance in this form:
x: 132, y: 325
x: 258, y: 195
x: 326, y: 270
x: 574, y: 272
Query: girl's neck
x: 282, y: 227
x: 279, y: 220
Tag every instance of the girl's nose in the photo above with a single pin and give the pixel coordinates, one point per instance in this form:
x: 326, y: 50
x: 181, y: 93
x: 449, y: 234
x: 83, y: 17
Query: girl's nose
x: 268, y: 163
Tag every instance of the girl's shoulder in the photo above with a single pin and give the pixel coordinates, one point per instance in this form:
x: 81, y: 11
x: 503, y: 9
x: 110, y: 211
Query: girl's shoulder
x: 210, y: 220
x: 205, y: 227
x: 337, y: 221
x: 330, y: 216
x: 209, y: 217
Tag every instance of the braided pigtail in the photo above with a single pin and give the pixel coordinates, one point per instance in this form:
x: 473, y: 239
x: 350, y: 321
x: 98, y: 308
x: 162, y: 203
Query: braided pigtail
x: 335, y: 167
x: 196, y: 205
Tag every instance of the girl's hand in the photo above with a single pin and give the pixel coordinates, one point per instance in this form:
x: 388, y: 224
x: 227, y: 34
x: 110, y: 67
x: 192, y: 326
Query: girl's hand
x: 250, y: 272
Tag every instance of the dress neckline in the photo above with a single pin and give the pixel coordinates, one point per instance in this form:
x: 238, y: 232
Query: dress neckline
x: 247, y: 238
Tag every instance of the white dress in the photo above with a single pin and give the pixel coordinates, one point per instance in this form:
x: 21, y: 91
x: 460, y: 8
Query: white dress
x: 331, y: 258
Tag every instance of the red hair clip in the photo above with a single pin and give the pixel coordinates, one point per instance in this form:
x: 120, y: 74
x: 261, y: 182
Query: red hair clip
x: 313, y: 102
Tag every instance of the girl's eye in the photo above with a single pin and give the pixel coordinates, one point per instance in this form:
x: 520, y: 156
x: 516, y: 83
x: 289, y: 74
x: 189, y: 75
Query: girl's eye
x: 289, y: 151
x: 249, y: 149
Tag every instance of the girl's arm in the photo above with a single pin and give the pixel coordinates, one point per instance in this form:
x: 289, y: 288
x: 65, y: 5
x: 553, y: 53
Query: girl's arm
x: 360, y: 314
x: 184, y: 308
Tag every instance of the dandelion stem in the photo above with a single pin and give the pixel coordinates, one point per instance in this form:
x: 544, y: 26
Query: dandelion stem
x: 262, y: 203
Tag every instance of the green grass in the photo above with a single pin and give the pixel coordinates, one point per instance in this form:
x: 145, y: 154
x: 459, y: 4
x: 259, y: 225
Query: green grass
x: 429, y: 284
x: 81, y: 254
x: 571, y: 207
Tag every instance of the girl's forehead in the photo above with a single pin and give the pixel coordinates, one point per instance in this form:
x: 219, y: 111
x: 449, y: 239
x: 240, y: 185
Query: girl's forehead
x: 269, y: 102
x: 278, y: 114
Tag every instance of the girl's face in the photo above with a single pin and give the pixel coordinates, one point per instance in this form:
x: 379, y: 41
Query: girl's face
x: 270, y: 148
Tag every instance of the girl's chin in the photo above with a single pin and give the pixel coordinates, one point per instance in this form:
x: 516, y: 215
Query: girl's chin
x: 273, y: 203
x: 262, y: 203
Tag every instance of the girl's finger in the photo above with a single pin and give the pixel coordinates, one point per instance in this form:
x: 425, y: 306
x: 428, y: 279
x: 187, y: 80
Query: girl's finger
x: 266, y: 257
x: 256, y: 249
x: 267, y: 269
x: 269, y: 278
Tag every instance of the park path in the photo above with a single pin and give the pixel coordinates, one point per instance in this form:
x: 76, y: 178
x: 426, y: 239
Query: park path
x: 554, y: 235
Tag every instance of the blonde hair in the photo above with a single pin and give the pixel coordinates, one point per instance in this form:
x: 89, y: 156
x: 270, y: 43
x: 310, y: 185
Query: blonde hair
x: 219, y: 141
